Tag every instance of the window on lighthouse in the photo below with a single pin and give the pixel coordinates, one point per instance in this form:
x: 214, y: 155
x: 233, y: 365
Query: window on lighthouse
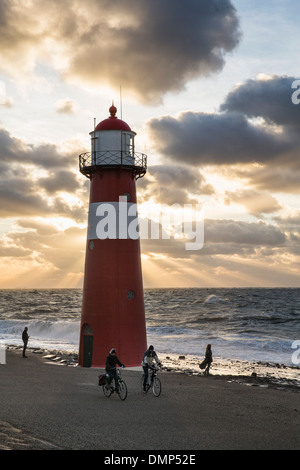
x: 128, y: 144
x: 127, y: 149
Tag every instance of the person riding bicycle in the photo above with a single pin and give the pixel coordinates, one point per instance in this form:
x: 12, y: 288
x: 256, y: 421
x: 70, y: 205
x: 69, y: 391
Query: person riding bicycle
x: 148, y: 358
x: 110, y: 368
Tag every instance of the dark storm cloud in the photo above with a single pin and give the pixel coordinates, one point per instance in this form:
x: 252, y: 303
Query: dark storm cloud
x: 33, y: 178
x: 203, y: 139
x: 257, y: 123
x: 291, y: 223
x: 243, y: 233
x: 178, y: 176
x: 44, y: 156
x: 163, y: 45
x: 174, y: 184
x: 267, y: 98
x: 149, y: 47
x: 282, y: 177
x: 225, y: 237
x: 20, y: 196
x: 61, y: 180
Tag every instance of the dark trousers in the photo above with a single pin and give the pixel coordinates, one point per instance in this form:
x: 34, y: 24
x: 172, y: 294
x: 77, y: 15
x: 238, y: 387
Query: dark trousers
x: 112, y: 375
x: 24, y: 348
x: 146, y: 374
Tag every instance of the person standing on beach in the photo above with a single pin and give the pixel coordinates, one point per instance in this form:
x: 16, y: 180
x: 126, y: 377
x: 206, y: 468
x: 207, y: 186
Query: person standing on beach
x: 148, y: 358
x: 25, y: 338
x: 208, y: 358
x: 110, y: 368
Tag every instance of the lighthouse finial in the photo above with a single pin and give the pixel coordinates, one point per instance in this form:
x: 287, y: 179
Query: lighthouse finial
x: 113, y: 110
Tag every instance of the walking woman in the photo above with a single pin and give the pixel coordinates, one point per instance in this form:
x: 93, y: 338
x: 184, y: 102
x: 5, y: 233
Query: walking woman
x: 208, y: 358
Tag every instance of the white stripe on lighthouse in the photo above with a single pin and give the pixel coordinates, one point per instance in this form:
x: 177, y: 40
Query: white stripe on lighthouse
x: 113, y: 220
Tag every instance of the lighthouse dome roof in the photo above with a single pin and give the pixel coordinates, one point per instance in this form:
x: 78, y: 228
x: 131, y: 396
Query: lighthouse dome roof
x: 112, y: 123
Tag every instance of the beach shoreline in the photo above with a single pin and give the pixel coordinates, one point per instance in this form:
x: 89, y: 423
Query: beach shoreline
x: 50, y: 403
x: 261, y: 374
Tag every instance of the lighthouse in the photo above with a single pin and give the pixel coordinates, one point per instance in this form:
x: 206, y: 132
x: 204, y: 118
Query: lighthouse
x: 113, y: 313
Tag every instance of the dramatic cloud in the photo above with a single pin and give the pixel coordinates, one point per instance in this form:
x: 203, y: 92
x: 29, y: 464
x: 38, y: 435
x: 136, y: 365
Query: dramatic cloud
x: 257, y: 203
x: 62, y: 248
x: 243, y: 233
x: 149, y: 47
x: 46, y: 156
x: 258, y: 123
x: 36, y: 180
x: 269, y: 98
x: 174, y: 184
x: 210, y: 139
x: 224, y: 238
x: 234, y: 253
x: 291, y: 223
x: 281, y: 177
x: 42, y: 254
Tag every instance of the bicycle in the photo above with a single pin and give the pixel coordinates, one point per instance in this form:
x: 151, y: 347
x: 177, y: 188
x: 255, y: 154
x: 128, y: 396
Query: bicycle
x: 152, y: 382
x: 108, y: 390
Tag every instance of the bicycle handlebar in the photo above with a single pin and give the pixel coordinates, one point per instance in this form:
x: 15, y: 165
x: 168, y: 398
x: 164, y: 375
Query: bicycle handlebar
x: 155, y: 367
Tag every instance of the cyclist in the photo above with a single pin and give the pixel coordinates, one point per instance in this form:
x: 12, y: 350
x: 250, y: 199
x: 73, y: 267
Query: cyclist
x: 110, y: 368
x: 148, y: 358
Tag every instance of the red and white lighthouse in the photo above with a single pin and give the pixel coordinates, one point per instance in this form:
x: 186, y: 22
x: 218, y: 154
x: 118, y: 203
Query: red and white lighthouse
x: 113, y: 314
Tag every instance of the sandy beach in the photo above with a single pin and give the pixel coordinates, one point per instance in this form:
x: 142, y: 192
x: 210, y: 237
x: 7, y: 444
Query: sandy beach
x: 49, y: 403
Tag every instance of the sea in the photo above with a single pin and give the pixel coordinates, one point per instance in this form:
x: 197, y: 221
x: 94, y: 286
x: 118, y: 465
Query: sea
x: 251, y: 324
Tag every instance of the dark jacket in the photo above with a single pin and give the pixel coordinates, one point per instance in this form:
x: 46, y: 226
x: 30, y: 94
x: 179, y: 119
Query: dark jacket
x: 149, y: 357
x: 25, y: 336
x: 111, y: 362
x: 208, y: 356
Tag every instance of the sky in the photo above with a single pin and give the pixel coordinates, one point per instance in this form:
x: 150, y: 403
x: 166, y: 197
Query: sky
x: 207, y: 85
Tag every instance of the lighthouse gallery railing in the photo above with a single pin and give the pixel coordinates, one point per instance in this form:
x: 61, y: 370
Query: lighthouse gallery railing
x: 90, y: 161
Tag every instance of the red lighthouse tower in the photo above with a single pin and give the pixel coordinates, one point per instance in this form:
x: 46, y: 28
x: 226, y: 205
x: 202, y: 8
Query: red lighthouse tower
x: 113, y: 314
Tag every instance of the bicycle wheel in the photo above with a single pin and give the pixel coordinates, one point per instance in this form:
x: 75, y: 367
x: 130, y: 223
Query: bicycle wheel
x: 106, y: 391
x: 156, y: 387
x: 122, y: 390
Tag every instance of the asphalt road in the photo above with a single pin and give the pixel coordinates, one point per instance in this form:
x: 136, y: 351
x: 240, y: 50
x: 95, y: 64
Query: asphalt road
x: 49, y: 406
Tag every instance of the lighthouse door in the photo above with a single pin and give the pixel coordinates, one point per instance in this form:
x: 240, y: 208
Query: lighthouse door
x: 88, y: 340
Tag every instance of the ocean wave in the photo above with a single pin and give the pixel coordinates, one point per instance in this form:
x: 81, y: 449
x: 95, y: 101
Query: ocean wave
x: 41, y: 333
x: 213, y: 298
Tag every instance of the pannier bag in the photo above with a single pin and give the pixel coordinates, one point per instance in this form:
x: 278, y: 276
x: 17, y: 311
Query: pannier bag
x: 102, y: 379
